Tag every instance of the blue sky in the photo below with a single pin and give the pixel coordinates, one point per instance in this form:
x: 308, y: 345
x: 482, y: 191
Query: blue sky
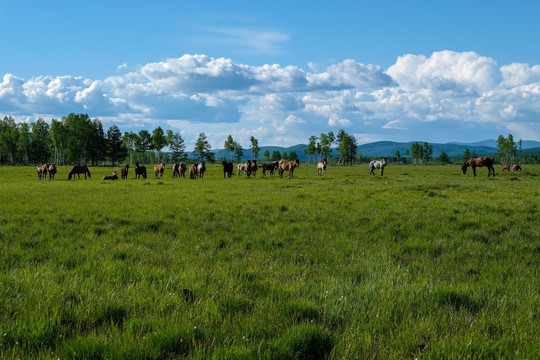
x: 437, y: 71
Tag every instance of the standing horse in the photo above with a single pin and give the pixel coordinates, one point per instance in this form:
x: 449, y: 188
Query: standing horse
x: 486, y: 161
x: 321, y: 168
x: 114, y: 176
x: 254, y: 167
x: 227, y: 168
x: 248, y: 168
x: 270, y: 167
x: 42, y: 171
x: 79, y: 169
x: 288, y: 166
x: 201, y: 169
x: 192, y: 171
x: 140, y: 171
x: 506, y: 167
x: 124, y: 172
x: 377, y: 164
x: 52, y: 171
x: 158, y: 169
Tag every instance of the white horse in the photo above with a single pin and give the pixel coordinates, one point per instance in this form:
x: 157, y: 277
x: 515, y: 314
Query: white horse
x: 241, y: 168
x: 201, y: 168
x: 321, y: 168
x: 377, y: 164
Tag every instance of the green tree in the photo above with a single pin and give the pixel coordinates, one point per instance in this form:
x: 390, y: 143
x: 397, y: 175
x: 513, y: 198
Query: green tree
x: 143, y: 143
x: 97, y: 144
x: 266, y: 155
x: 230, y: 145
x: 129, y: 140
x: 398, y: 155
x: 255, y: 149
x: 285, y: 156
x: 325, y: 144
x: 293, y: 155
x: 238, y: 150
x: 443, y: 158
x: 312, y: 147
x: 58, y: 137
x: 202, y: 147
x: 276, y: 156
x: 347, y: 148
x: 79, y: 131
x: 417, y: 152
x: 23, y: 142
x: 427, y: 152
x: 466, y: 154
x: 8, y: 140
x: 40, y: 140
x: 115, y: 150
x: 159, y: 141
x: 177, y: 146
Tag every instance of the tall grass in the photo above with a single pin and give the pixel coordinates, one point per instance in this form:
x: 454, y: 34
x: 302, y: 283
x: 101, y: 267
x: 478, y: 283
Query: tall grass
x: 423, y: 262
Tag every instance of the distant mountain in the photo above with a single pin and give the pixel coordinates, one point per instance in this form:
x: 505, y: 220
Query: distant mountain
x: 389, y: 148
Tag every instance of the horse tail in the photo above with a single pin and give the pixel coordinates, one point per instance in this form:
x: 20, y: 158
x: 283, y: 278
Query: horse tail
x: 88, y: 171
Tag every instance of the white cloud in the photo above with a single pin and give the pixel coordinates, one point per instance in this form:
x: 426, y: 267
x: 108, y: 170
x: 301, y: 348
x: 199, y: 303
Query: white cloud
x: 460, y: 91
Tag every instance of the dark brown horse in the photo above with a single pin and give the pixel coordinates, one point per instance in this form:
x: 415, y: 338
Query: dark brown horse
x: 288, y: 166
x: 516, y: 167
x: 79, y: 169
x: 269, y: 167
x: 227, y: 168
x: 140, y: 171
x: 52, y: 171
x: 193, y: 171
x: 486, y: 161
x: 124, y: 172
x: 179, y: 169
x: 114, y: 176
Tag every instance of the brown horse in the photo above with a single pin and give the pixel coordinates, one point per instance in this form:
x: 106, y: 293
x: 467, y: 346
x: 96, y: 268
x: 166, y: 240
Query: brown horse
x: 288, y: 166
x: 516, y: 167
x: 193, y: 171
x: 158, y: 169
x: 79, y: 169
x: 52, y: 171
x: 42, y: 171
x: 486, y: 161
x: 270, y: 167
x: 112, y: 177
x: 124, y: 172
x: 140, y: 171
x: 179, y: 169
x: 506, y: 167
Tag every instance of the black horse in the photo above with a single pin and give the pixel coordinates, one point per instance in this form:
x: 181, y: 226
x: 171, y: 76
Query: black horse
x: 227, y: 168
x: 140, y: 170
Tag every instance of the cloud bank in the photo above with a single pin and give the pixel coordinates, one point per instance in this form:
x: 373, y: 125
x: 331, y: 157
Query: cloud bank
x: 448, y: 96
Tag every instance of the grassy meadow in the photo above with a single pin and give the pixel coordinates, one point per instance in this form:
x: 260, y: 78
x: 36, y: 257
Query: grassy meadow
x: 423, y: 262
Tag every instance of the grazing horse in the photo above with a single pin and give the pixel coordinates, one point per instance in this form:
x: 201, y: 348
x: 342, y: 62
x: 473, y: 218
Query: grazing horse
x: 42, y: 171
x: 486, y: 161
x: 321, y: 168
x: 377, y: 164
x: 140, y: 171
x: 124, y: 172
x: 79, y: 169
x: 270, y: 167
x: 227, y: 168
x: 112, y: 177
x: 192, y: 171
x: 201, y: 169
x: 288, y: 166
x: 158, y: 169
x: 506, y: 167
x: 516, y: 167
x: 52, y: 171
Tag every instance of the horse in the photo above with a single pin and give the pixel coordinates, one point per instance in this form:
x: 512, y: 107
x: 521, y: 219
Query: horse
x: 486, y: 161
x: 201, y: 169
x: 124, y: 172
x: 506, y: 167
x: 321, y: 168
x: 270, y: 167
x: 227, y: 168
x: 241, y: 168
x: 254, y: 167
x: 288, y: 166
x: 111, y: 177
x: 192, y: 171
x: 377, y: 164
x: 516, y: 167
x: 248, y: 168
x: 158, y: 169
x: 179, y: 169
x: 52, y: 171
x: 42, y: 171
x: 140, y: 171
x: 79, y: 169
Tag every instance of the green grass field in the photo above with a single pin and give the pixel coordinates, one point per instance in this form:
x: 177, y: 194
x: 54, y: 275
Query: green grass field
x: 423, y: 262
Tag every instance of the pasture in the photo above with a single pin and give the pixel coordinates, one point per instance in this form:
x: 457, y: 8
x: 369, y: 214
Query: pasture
x: 423, y: 262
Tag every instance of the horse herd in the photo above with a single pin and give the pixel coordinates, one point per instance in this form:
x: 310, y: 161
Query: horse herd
x: 248, y: 169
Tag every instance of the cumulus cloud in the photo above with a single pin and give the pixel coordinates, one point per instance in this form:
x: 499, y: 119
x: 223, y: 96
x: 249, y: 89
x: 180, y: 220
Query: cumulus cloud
x: 458, y: 90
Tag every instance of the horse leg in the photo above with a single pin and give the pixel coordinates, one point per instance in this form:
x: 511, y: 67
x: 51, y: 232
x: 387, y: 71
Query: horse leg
x: 474, y: 170
x: 382, y: 170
